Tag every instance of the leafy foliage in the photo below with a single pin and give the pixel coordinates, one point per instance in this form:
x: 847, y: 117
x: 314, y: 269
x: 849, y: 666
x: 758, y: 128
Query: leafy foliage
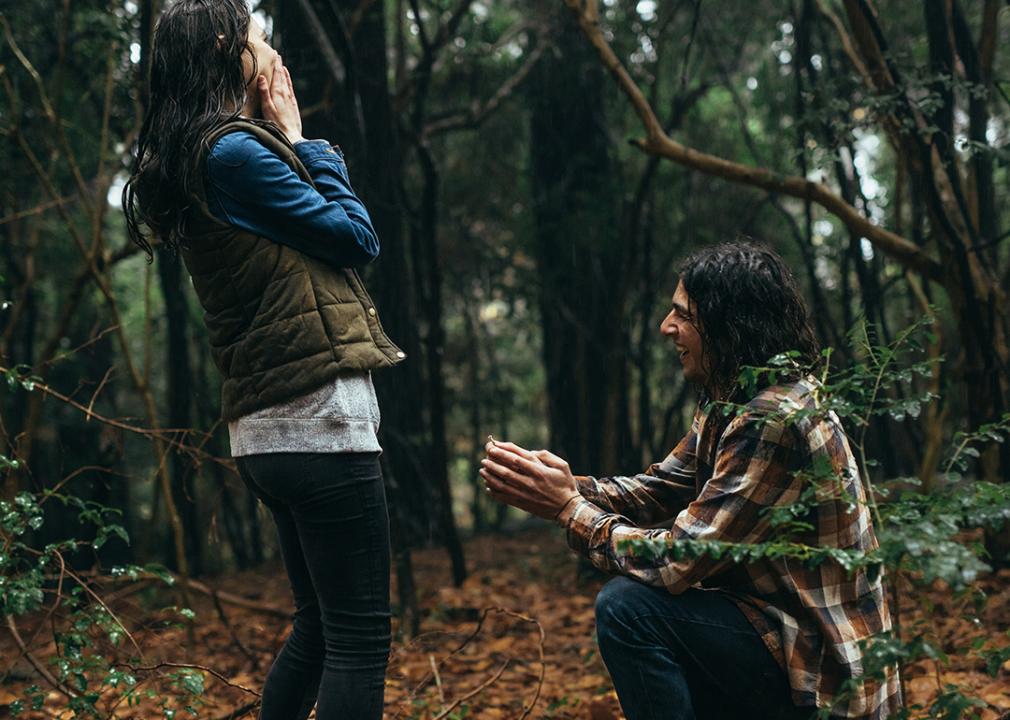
x: 90, y: 641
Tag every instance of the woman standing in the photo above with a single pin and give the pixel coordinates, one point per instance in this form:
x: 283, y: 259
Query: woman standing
x: 271, y: 231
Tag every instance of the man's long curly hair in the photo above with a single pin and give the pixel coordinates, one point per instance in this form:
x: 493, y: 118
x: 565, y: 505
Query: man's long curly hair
x: 748, y: 309
x: 196, y: 83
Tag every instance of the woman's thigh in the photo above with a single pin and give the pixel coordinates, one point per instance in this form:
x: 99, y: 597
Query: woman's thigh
x: 335, y: 503
x: 342, y: 521
x: 274, y: 469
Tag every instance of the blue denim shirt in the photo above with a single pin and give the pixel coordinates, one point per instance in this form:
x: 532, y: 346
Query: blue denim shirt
x: 252, y: 188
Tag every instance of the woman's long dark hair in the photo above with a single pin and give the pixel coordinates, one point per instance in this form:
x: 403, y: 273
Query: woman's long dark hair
x: 196, y: 83
x: 748, y: 308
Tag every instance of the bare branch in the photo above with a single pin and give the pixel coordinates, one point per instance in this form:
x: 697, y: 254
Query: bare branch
x: 448, y: 29
x: 159, y: 435
x: 476, y: 691
x: 49, y: 111
x: 846, y: 40
x: 193, y: 666
x: 987, y: 41
x: 476, y: 114
x: 527, y: 709
x: 430, y: 48
x: 38, y: 209
x: 315, y: 27
x: 39, y: 667
x: 236, y: 600
x: 231, y: 630
x: 422, y: 34
x: 657, y: 142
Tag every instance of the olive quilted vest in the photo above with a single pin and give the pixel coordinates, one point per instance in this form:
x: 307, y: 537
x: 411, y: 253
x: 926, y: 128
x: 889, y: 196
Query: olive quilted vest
x: 281, y: 324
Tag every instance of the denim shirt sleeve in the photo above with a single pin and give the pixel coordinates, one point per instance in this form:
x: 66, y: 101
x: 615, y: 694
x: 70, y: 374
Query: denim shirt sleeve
x: 252, y: 188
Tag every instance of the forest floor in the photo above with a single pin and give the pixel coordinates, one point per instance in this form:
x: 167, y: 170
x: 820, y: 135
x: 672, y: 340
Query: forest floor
x: 453, y: 670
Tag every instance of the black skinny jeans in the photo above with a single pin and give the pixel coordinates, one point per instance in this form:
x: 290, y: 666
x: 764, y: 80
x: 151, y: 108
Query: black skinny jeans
x: 333, y: 530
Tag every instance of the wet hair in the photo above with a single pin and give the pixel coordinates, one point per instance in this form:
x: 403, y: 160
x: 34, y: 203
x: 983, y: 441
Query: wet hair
x: 196, y: 83
x: 748, y: 309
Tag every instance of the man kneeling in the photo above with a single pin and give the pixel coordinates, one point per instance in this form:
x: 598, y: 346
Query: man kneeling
x: 704, y: 637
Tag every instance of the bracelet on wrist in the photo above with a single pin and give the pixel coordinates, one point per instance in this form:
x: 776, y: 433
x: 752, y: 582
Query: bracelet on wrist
x: 565, y: 506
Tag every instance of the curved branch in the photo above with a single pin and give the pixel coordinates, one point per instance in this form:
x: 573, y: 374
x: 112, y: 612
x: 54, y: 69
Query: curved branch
x: 473, y: 693
x: 190, y: 666
x: 477, y: 113
x: 34, y: 662
x: 657, y: 142
x: 315, y: 28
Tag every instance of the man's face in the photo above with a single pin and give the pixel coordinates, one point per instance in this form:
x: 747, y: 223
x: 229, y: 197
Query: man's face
x: 681, y: 326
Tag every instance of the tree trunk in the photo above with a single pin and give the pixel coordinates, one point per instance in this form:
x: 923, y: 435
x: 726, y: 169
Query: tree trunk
x: 431, y: 288
x: 178, y: 400
x: 581, y: 261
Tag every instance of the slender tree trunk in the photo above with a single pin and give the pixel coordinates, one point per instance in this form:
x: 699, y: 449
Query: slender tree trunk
x: 178, y: 400
x: 581, y: 261
x: 476, y: 398
x: 406, y: 590
x: 434, y: 347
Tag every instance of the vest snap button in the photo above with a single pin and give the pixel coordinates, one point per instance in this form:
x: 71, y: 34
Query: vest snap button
x: 401, y: 354
x: 371, y: 311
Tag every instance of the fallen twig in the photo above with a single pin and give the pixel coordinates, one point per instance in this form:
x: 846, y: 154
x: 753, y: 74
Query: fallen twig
x: 237, y: 600
x: 234, y: 636
x: 433, y: 674
x: 193, y: 666
x: 476, y: 691
x: 123, y: 593
x: 438, y: 680
x: 240, y: 711
x: 543, y: 665
x: 222, y: 596
x: 98, y: 599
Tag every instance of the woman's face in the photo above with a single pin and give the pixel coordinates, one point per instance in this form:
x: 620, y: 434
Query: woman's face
x: 264, y: 55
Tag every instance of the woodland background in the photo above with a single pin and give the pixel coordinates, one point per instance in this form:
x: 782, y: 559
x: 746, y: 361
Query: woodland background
x: 534, y: 169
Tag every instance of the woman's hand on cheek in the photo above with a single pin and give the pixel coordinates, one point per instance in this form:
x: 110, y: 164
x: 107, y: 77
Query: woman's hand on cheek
x: 279, y: 103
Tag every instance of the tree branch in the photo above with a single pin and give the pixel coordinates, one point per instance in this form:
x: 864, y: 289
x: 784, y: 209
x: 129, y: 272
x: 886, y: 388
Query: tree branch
x: 315, y: 28
x: 50, y: 113
x: 193, y: 666
x: 422, y: 34
x: 39, y: 667
x: 476, y: 114
x: 846, y: 41
x: 448, y: 29
x: 987, y: 40
x: 657, y: 142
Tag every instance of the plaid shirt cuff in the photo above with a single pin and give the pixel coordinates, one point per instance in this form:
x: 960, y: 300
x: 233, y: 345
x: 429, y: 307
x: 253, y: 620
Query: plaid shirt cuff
x: 578, y: 520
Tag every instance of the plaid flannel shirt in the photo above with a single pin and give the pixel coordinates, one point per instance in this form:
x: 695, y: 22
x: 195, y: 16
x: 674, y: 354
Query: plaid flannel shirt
x: 718, y: 484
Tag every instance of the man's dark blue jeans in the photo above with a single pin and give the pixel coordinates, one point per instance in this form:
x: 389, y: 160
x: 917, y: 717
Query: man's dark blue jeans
x: 333, y: 531
x: 686, y: 657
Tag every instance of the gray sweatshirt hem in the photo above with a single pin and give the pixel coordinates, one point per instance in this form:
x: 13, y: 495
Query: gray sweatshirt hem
x: 254, y: 436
